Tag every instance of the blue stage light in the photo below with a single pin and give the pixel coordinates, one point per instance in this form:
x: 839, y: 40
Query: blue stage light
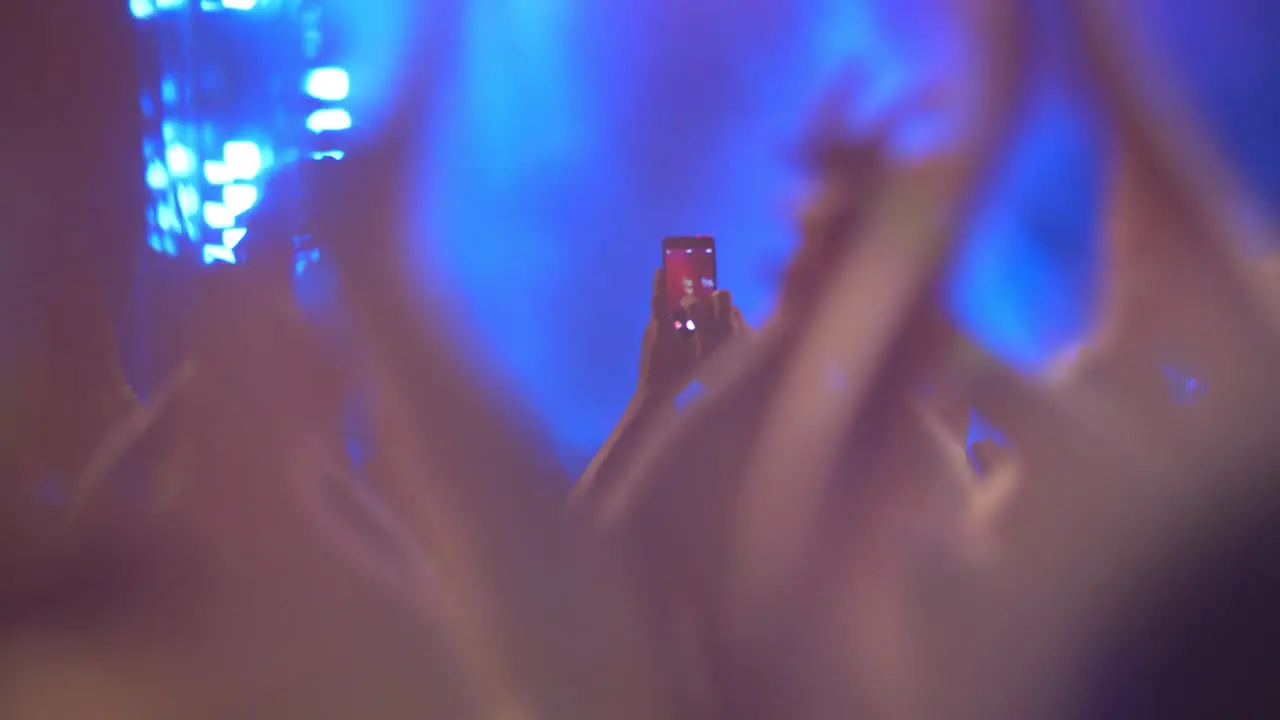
x: 157, y: 176
x: 217, y: 172
x: 218, y: 253
x: 304, y: 260
x: 188, y: 200
x: 181, y: 160
x: 231, y: 237
x: 215, y: 125
x: 167, y: 216
x: 142, y: 9
x: 218, y: 216
x: 239, y: 198
x: 169, y: 90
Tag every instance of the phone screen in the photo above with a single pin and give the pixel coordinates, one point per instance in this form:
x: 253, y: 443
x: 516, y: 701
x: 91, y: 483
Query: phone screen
x: 690, y: 265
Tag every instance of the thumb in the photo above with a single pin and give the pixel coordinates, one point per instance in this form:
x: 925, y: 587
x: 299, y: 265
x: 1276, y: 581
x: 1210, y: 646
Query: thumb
x: 722, y: 306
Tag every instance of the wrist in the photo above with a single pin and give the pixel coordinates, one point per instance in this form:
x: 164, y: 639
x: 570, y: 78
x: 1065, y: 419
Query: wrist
x: 647, y: 399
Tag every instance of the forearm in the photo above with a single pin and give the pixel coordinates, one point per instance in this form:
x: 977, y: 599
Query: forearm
x: 619, y: 448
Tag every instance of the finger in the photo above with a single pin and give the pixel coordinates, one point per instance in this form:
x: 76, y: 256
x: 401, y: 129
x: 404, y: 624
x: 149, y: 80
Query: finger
x: 699, y: 311
x: 702, y: 317
x: 711, y: 329
x: 835, y: 106
x: 657, y: 300
x: 722, y: 306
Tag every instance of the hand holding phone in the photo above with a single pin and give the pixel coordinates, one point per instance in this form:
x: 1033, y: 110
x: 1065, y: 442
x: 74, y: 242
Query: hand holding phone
x: 689, y: 264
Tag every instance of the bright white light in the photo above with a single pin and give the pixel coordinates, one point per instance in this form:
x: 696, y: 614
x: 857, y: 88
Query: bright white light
x: 334, y: 154
x: 243, y: 158
x: 142, y: 9
x: 239, y: 198
x: 239, y: 4
x: 218, y: 253
x: 231, y: 237
x: 217, y: 172
x: 330, y: 84
x: 328, y: 119
x: 217, y: 216
x: 157, y: 176
x: 182, y: 162
x: 690, y: 325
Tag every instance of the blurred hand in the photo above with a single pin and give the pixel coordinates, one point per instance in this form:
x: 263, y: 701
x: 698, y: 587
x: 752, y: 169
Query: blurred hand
x: 668, y: 358
x: 716, y: 320
x: 852, y: 169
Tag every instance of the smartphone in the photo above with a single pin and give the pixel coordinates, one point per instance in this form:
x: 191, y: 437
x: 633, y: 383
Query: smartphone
x: 689, y: 263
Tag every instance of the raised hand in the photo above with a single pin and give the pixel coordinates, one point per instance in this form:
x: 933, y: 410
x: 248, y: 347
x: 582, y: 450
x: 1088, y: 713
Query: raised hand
x: 668, y: 359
